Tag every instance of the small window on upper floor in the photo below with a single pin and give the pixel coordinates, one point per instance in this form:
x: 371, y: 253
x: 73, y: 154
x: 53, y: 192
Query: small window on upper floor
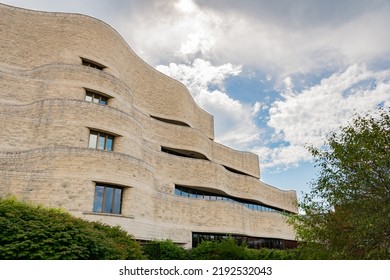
x: 94, y: 97
x: 93, y: 64
x: 101, y: 140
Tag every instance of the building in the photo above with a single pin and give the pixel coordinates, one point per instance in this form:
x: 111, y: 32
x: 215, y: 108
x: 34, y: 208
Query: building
x: 87, y: 126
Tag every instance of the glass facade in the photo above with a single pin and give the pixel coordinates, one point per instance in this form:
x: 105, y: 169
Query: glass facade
x: 194, y: 193
x: 250, y: 241
x: 108, y: 199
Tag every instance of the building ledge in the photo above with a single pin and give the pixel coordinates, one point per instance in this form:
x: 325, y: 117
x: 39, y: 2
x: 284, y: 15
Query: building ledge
x: 108, y: 214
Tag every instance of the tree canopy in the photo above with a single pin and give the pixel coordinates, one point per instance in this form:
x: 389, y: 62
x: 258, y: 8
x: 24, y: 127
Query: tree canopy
x: 347, y: 212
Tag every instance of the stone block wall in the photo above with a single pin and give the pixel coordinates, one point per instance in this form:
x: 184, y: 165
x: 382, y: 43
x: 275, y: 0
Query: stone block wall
x: 46, y: 122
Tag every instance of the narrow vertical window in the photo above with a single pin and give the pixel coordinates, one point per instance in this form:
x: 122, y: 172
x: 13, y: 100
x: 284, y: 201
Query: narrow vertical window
x: 93, y: 139
x: 109, y: 142
x: 117, y: 200
x: 101, y: 141
x: 96, y: 100
x: 108, y: 200
x: 98, y: 200
x: 89, y: 96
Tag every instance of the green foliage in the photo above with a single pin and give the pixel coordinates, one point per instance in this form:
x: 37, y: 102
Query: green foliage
x: 348, y: 208
x: 35, y: 232
x: 274, y: 254
x: 225, y: 249
x: 164, y: 250
x: 228, y: 249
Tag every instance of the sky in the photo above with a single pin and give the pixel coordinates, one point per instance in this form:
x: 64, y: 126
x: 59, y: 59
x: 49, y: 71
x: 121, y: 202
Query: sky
x: 278, y: 76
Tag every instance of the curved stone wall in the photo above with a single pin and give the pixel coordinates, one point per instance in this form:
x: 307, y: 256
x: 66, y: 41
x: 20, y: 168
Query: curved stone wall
x: 46, y: 122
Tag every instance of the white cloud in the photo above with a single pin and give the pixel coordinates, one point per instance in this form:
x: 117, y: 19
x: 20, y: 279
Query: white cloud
x: 196, y: 43
x: 287, y: 85
x: 306, y: 117
x: 200, y: 74
x: 197, y: 23
x: 301, y: 36
x: 171, y: 31
x: 282, y: 157
x: 234, y: 121
x: 185, y: 6
x: 256, y: 108
x: 277, y: 40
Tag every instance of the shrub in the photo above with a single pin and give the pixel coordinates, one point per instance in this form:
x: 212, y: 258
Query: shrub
x: 164, y: 250
x: 225, y: 249
x: 275, y: 254
x: 35, y: 232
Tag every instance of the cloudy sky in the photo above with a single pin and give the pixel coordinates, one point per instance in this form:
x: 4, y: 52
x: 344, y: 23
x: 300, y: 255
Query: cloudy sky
x: 277, y: 75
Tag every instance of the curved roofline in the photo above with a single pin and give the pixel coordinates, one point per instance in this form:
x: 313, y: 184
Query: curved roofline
x: 276, y: 188
x: 32, y: 11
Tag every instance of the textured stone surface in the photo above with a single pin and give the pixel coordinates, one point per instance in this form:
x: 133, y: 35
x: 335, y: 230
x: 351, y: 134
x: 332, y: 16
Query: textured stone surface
x: 44, y: 155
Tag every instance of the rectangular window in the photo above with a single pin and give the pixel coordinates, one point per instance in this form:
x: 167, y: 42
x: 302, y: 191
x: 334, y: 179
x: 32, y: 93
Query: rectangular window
x: 108, y: 199
x: 101, y: 141
x: 95, y: 97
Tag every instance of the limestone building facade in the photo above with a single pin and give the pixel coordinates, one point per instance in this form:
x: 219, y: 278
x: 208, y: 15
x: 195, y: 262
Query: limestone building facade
x: 88, y: 126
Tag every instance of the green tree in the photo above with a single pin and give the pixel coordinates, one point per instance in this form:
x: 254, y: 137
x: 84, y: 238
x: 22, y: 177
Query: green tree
x: 347, y: 212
